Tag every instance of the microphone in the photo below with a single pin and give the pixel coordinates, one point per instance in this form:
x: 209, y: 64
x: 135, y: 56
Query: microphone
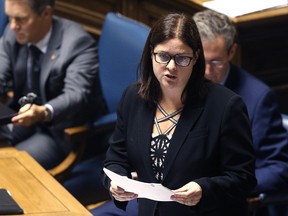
x: 30, y: 98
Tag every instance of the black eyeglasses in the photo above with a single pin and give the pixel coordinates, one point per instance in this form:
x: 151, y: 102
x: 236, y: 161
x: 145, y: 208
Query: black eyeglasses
x: 165, y: 58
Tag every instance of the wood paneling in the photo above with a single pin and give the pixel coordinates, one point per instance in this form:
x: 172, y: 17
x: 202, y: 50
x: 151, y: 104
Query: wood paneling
x: 89, y: 13
x: 264, y: 52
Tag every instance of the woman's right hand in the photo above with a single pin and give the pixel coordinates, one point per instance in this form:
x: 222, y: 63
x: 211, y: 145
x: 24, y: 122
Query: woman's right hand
x: 120, y: 194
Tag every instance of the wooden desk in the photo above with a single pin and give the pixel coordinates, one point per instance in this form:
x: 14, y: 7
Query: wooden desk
x: 33, y: 188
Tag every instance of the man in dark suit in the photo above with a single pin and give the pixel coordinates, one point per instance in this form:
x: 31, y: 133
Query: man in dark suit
x: 218, y: 35
x: 63, y: 74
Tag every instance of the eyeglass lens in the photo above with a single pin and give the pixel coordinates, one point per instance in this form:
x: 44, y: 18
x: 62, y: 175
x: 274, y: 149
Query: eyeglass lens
x: 216, y: 63
x: 164, y: 58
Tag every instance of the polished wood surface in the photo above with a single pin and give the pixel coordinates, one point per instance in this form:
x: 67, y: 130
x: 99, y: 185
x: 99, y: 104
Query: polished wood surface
x: 33, y: 188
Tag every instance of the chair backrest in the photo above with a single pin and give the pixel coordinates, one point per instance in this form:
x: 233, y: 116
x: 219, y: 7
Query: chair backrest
x: 3, y: 17
x: 120, y: 48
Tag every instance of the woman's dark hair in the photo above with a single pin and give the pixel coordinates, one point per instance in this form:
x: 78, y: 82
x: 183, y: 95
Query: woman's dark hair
x: 173, y: 25
x: 39, y: 5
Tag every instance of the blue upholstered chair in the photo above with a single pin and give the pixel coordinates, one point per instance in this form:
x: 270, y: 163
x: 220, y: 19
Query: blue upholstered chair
x: 3, y: 18
x: 120, y: 48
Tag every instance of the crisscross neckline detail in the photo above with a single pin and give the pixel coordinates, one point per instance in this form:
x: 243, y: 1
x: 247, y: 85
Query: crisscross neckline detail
x: 166, y: 117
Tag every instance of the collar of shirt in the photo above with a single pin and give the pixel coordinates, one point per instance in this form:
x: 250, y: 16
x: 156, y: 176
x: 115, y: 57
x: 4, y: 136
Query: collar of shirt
x: 43, y: 44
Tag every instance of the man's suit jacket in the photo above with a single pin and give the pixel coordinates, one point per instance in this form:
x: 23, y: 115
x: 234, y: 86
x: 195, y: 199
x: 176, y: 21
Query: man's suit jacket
x: 69, y: 74
x: 269, y: 136
x: 211, y: 145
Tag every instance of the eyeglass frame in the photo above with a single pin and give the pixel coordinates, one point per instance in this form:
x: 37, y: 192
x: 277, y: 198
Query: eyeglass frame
x: 219, y: 63
x: 216, y: 63
x: 173, y: 57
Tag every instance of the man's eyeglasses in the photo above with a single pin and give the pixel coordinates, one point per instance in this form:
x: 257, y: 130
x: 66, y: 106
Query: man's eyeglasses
x: 165, y: 58
x: 216, y: 63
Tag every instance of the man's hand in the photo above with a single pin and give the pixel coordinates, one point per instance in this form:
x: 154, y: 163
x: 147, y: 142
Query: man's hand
x: 29, y: 114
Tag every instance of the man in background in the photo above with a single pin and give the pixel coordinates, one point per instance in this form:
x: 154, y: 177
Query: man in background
x: 218, y: 35
x: 52, y: 64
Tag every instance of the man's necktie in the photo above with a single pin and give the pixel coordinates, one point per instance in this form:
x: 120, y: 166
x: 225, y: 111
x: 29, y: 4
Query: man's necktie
x: 34, y: 72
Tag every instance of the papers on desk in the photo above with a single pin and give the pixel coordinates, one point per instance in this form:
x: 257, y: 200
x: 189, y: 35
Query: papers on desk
x: 234, y: 8
x: 153, y: 191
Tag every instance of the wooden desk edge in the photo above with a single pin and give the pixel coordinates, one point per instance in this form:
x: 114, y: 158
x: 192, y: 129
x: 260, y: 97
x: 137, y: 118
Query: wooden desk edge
x: 75, y: 207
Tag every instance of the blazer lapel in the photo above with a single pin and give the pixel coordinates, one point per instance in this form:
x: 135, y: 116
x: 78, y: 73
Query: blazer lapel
x: 188, y: 119
x: 145, y: 123
x: 232, y: 81
x: 50, y: 56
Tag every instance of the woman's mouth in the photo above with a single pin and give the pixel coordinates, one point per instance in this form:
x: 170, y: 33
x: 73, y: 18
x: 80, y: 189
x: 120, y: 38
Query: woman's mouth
x: 170, y: 76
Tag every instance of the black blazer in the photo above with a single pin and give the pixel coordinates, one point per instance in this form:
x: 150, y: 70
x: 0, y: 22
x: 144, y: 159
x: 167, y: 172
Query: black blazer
x: 211, y: 145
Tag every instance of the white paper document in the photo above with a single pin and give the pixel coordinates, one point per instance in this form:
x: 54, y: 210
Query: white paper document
x: 234, y: 8
x: 153, y: 191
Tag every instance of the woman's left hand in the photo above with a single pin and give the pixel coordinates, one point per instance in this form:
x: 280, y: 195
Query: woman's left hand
x: 190, y: 194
